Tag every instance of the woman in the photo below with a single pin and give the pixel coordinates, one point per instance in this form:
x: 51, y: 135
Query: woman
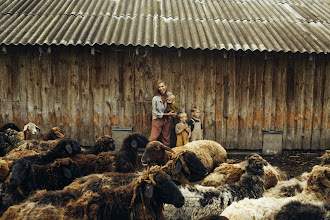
x: 161, y: 120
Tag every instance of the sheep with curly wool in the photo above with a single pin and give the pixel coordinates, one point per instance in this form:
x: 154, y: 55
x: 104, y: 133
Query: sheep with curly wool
x: 203, y: 200
x: 123, y: 161
x: 210, y: 152
x: 315, y: 192
x: 141, y: 199
x: 230, y: 173
x: 27, y: 177
x: 103, y: 144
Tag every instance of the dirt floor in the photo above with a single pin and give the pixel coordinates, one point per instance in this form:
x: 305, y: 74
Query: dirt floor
x: 294, y: 163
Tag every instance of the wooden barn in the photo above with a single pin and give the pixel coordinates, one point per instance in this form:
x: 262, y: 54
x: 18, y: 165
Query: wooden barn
x: 251, y: 66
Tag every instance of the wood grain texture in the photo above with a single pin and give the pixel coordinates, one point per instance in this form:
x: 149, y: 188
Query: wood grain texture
x: 241, y: 94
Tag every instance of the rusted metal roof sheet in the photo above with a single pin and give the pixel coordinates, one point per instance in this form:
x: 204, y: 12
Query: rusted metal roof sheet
x: 271, y: 25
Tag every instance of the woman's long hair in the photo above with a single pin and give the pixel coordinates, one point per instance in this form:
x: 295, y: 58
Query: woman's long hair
x: 156, y: 91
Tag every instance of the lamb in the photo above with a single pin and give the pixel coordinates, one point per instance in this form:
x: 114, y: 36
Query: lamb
x: 140, y: 199
x: 230, y: 173
x: 315, y: 192
x: 27, y: 177
x: 210, y: 152
x: 123, y: 161
x: 53, y: 134
x: 102, y: 144
x: 201, y: 200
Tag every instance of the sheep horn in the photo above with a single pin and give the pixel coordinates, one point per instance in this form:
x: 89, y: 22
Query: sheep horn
x: 325, y: 182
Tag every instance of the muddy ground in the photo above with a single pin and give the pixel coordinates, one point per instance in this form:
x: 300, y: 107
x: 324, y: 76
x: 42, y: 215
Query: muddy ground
x: 294, y: 163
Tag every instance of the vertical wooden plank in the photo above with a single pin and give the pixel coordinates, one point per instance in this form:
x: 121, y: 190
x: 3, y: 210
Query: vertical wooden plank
x: 190, y: 70
x: 96, y: 88
x: 268, y: 88
x: 209, y: 96
x: 37, y: 87
x: 30, y: 79
x: 243, y: 92
x: 308, y: 102
x: 220, y: 62
x: 106, y: 109
x: 139, y: 87
x: 250, y: 101
x: 14, y: 87
x: 148, y: 91
x: 325, y: 125
x: 317, y: 102
x: 231, y: 135
x: 199, y: 82
x: 74, y: 91
x: 5, y: 61
x: 300, y: 69
x: 128, y: 95
x: 290, y: 122
x: 45, y: 76
x: 258, y: 114
x: 281, y: 87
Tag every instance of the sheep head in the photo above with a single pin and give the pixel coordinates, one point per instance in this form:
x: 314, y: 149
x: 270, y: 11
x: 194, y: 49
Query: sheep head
x: 134, y: 141
x: 21, y: 171
x: 155, y: 152
x: 104, y: 143
x: 158, y: 185
x: 319, y: 179
x: 53, y: 134
x: 30, y: 129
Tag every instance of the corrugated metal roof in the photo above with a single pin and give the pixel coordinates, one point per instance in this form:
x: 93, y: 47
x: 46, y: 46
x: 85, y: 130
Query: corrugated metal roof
x: 271, y: 25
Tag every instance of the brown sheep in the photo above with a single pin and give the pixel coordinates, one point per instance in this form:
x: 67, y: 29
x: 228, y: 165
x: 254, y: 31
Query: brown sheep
x: 140, y: 199
x: 210, y: 152
x: 231, y: 173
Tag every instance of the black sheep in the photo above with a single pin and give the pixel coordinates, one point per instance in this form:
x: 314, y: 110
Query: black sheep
x: 27, y: 177
x: 141, y: 199
x: 65, y: 147
x: 4, y: 143
x: 126, y: 159
x: 9, y: 125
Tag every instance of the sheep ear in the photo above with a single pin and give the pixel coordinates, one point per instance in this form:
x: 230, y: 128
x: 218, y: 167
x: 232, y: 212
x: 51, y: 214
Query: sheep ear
x: 167, y: 148
x: 149, y: 190
x: 38, y: 129
x: 32, y: 167
x: 134, y: 144
x: 178, y: 167
x: 67, y: 173
x: 68, y: 148
x: 26, y: 127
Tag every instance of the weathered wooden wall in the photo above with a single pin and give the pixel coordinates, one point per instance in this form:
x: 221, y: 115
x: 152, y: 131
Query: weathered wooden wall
x: 240, y: 93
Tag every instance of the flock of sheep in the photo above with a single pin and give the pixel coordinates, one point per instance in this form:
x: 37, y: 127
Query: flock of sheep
x: 55, y: 177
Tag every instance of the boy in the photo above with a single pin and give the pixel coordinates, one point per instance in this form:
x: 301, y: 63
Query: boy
x: 195, y: 125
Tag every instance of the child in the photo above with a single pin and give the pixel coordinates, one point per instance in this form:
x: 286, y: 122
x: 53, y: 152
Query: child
x: 172, y: 104
x: 182, y: 131
x: 195, y: 125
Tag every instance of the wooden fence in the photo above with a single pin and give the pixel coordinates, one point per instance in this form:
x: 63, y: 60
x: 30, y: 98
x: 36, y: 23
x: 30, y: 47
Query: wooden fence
x: 241, y: 94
